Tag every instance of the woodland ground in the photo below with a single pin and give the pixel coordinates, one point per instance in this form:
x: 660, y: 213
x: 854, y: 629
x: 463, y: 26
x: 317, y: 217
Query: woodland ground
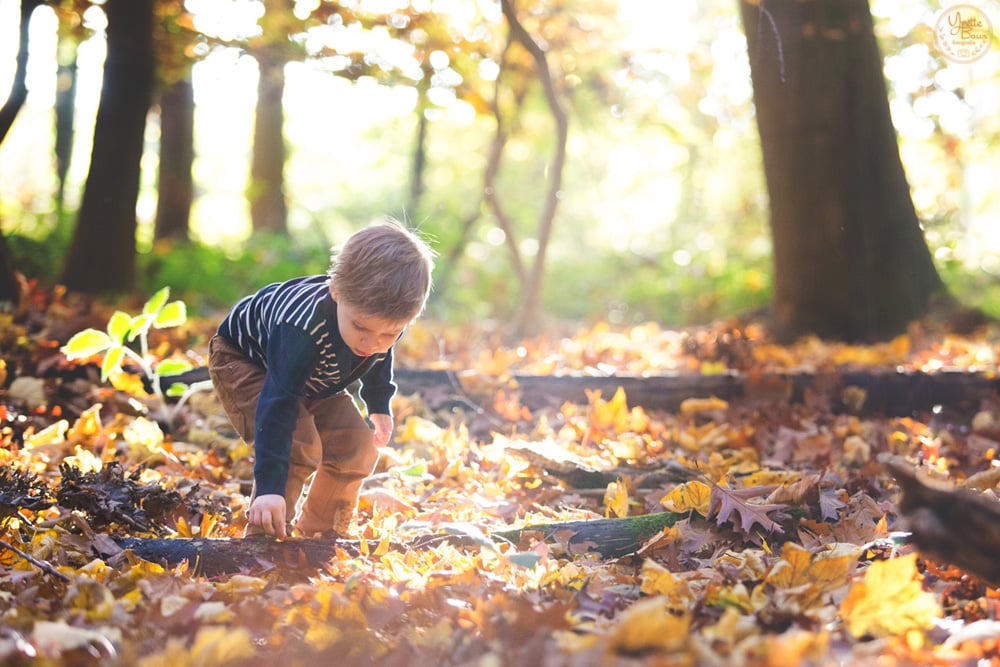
x: 786, y: 544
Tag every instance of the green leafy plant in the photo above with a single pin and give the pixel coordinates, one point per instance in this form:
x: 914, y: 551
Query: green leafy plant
x: 124, y: 332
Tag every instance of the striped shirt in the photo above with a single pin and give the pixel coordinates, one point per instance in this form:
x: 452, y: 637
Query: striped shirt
x: 290, y: 330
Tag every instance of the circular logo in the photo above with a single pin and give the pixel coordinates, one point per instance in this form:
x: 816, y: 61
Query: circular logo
x: 963, y: 33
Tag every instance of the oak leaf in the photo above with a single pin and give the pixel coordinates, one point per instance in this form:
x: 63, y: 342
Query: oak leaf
x: 726, y: 502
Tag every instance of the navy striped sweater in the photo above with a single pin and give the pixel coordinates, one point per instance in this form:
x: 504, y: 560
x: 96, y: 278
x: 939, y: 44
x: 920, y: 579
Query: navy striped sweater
x: 290, y: 330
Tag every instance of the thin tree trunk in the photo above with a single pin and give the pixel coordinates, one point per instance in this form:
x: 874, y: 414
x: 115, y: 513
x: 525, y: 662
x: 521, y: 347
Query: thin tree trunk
x: 102, y: 254
x: 267, y: 195
x: 19, y: 88
x: 850, y: 261
x: 530, y: 314
x: 173, y: 208
x: 65, y: 112
x: 417, y: 185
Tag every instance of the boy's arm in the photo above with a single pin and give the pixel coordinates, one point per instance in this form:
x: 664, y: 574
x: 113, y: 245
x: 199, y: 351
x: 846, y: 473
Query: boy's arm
x: 377, y: 390
x: 291, y: 354
x: 377, y: 387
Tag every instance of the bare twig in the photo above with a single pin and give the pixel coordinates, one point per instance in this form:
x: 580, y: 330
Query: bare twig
x: 40, y: 564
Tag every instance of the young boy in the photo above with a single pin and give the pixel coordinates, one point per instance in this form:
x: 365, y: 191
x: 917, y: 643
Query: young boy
x: 281, y: 363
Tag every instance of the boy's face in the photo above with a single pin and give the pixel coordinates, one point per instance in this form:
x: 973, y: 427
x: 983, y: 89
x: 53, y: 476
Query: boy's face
x: 366, y: 334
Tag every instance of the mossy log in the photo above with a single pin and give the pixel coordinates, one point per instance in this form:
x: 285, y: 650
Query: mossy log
x: 953, y: 525
x: 607, y: 538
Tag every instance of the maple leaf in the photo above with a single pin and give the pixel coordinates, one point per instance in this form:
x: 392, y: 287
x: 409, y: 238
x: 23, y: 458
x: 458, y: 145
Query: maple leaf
x: 725, y: 502
x: 890, y: 600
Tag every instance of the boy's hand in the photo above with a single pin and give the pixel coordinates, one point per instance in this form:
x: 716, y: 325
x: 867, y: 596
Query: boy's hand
x: 267, y: 512
x: 383, y: 428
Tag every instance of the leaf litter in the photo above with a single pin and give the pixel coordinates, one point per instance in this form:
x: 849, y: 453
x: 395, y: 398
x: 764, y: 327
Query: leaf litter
x: 785, y: 544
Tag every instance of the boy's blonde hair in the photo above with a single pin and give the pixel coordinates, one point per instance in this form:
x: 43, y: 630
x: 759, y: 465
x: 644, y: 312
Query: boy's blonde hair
x: 384, y: 271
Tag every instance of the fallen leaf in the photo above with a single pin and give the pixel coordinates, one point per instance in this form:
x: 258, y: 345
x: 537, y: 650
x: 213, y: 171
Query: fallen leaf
x: 890, y: 601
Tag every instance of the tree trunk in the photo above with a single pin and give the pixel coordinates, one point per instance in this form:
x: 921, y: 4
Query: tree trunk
x: 11, y: 285
x: 529, y: 316
x: 267, y: 189
x: 419, y: 160
x: 850, y: 260
x: 173, y: 207
x: 102, y: 254
x: 65, y: 112
x: 19, y: 88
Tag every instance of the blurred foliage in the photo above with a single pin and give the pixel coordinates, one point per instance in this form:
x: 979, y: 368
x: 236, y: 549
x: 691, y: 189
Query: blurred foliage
x: 663, y: 214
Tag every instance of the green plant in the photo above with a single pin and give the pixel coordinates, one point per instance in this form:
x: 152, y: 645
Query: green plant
x: 124, y: 330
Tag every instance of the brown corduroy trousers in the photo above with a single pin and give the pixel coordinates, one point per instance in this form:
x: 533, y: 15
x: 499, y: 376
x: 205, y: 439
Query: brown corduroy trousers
x: 333, y: 448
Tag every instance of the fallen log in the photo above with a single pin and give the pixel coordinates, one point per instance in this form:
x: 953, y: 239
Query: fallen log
x: 886, y: 392
x: 216, y: 556
x: 576, y: 474
x: 607, y: 538
x: 951, y: 524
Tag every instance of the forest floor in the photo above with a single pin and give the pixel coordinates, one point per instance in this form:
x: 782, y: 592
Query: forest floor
x: 785, y: 537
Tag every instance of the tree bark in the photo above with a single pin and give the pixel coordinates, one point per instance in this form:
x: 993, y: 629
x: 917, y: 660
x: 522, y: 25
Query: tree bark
x: 268, y: 209
x: 954, y: 525
x: 529, y: 315
x: 176, y: 187
x: 65, y: 112
x: 608, y: 538
x: 419, y: 164
x: 850, y: 260
x: 102, y: 254
x: 19, y: 88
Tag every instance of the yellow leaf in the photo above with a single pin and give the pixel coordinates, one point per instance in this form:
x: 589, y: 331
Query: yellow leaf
x: 609, y: 416
x: 183, y: 527
x: 213, y: 612
x: 890, y: 601
x: 241, y: 584
x: 648, y: 625
x: 616, y: 501
x: 689, y: 496
x: 820, y: 572
x: 691, y: 406
x: 416, y: 429
x: 84, y: 460
x: 657, y: 580
x: 49, y: 435
x: 88, y: 424
x: 219, y: 645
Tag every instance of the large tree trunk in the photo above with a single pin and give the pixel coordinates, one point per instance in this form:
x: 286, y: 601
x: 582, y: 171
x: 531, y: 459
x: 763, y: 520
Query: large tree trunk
x: 173, y: 207
x: 850, y: 259
x: 267, y: 187
x: 102, y: 254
